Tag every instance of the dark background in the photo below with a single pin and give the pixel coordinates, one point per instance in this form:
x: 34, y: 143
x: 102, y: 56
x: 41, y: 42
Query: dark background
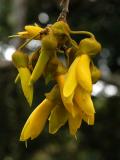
x: 99, y: 142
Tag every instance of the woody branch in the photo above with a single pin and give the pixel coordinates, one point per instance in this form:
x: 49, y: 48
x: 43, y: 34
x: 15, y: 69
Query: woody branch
x: 65, y: 9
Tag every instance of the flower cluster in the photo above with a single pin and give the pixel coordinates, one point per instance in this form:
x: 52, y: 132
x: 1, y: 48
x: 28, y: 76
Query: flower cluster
x: 70, y: 99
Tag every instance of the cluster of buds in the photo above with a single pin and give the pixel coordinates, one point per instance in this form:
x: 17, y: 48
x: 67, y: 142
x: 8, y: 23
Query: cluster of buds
x: 70, y: 99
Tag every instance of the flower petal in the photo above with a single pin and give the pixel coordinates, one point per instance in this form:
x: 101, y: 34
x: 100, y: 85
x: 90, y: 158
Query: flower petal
x: 30, y: 31
x: 83, y: 72
x: 57, y: 118
x: 83, y: 100
x: 67, y: 101
x: 39, y: 67
x: 74, y: 123
x: 89, y: 119
x: 36, y: 121
x: 25, y: 74
x: 70, y: 80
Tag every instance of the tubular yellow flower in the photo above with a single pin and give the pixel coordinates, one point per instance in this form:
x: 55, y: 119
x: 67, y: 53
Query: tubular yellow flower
x: 30, y: 31
x: 27, y: 90
x: 36, y: 121
x: 21, y: 62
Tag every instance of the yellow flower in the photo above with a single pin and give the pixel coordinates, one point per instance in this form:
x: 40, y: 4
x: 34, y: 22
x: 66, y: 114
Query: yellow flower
x: 21, y: 62
x: 70, y: 99
x: 30, y: 31
x: 36, y: 121
x: 67, y: 101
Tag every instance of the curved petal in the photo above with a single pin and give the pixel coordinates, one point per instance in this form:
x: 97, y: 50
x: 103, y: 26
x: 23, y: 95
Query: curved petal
x: 83, y: 100
x: 67, y: 101
x: 74, y: 123
x: 57, y: 119
x: 36, y: 121
x: 39, y: 67
x: 25, y: 74
x: 89, y: 119
x: 30, y: 31
x: 70, y: 80
x: 83, y: 72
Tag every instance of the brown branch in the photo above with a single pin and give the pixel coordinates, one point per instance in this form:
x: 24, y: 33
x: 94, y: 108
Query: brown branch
x: 65, y: 9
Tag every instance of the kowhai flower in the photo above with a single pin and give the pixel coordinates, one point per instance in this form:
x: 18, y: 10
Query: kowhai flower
x: 70, y: 99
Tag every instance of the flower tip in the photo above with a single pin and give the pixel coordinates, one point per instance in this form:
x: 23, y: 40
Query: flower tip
x: 30, y: 102
x: 52, y: 131
x: 22, y: 138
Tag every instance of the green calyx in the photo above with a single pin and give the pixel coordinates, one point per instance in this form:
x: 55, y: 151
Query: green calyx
x: 61, y: 31
x: 61, y: 26
x: 49, y: 43
x: 20, y: 59
x: 89, y: 46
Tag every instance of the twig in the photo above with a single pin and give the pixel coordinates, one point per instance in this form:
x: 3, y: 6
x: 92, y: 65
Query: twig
x: 65, y: 9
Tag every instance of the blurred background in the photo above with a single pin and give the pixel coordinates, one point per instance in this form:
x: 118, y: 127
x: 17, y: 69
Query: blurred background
x: 99, y: 142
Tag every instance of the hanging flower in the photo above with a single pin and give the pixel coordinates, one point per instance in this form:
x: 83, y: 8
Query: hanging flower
x: 70, y: 99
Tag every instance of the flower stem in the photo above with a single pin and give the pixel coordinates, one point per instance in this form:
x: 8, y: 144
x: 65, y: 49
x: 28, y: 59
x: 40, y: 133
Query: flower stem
x: 82, y: 32
x: 65, y: 10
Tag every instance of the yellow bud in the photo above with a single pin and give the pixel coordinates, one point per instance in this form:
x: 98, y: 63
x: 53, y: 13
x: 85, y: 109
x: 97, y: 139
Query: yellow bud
x: 30, y: 31
x: 20, y: 59
x: 89, y: 46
